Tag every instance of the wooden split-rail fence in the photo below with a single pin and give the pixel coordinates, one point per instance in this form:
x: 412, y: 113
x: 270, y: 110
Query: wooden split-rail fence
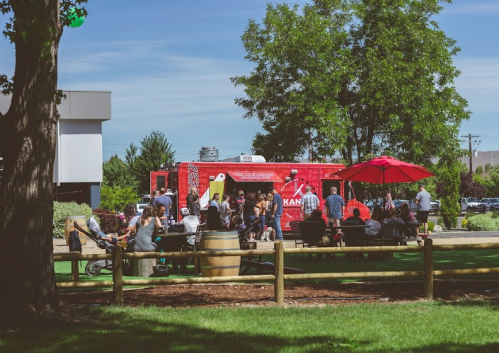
x: 278, y: 277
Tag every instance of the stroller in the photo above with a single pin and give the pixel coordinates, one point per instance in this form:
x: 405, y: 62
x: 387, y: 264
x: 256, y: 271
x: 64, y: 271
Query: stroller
x: 93, y: 268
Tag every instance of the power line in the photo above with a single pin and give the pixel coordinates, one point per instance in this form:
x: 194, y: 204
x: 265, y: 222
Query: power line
x: 472, y: 139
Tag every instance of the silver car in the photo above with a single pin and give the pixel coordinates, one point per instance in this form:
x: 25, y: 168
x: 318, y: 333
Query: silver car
x: 491, y: 204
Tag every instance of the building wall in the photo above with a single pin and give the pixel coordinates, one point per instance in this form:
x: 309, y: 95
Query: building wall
x: 79, y: 154
x: 78, y: 162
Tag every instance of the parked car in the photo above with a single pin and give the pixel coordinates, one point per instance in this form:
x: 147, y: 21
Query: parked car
x: 470, y: 204
x: 144, y: 201
x: 491, y: 204
x: 399, y: 202
x: 370, y: 203
x: 435, y: 206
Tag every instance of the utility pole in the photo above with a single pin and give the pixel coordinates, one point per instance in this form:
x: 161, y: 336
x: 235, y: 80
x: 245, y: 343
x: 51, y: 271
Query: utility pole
x: 470, y: 140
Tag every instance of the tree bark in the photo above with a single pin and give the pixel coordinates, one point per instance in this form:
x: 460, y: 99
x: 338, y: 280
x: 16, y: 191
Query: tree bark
x: 28, y: 133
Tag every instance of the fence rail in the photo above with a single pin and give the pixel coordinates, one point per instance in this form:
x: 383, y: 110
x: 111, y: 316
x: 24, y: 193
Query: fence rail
x: 278, y: 277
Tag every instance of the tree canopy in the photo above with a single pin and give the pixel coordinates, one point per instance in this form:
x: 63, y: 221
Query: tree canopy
x: 153, y: 151
x: 350, y: 78
x: 116, y: 173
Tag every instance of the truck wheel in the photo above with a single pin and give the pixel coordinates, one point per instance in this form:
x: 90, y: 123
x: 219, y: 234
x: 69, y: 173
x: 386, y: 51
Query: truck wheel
x: 468, y: 210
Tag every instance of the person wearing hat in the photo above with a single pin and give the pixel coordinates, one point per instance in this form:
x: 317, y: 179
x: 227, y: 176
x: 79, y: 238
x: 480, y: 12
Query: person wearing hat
x: 423, y: 199
x: 277, y: 211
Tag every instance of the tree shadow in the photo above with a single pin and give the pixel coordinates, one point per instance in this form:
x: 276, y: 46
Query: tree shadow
x: 113, y: 332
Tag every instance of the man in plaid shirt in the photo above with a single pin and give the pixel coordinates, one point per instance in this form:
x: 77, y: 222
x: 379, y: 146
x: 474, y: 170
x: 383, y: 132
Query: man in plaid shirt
x: 308, y: 202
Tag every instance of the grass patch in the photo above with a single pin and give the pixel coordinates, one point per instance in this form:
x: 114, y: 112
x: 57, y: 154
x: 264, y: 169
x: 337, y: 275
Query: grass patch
x: 421, y: 327
x: 443, y: 260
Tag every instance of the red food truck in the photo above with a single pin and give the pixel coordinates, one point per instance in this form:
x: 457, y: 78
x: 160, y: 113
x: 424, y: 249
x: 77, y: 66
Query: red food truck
x: 290, y: 180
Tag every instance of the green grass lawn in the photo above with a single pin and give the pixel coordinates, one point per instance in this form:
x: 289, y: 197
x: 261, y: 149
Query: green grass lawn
x: 443, y: 260
x: 469, y: 326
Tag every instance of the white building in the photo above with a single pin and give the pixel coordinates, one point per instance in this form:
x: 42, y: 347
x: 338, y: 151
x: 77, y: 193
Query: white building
x: 78, y: 161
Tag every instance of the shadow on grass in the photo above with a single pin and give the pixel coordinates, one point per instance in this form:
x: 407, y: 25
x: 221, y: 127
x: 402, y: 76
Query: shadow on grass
x: 113, y: 332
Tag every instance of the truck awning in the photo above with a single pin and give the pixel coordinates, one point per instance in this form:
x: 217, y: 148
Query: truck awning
x: 255, y: 177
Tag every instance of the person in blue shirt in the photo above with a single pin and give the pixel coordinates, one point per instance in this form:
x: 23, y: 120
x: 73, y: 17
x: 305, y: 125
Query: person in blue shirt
x: 277, y: 213
x: 214, y: 201
x: 164, y: 200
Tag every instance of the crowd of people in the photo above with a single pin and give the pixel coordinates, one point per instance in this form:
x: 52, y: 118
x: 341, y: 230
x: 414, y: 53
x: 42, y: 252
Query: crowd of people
x: 254, y: 216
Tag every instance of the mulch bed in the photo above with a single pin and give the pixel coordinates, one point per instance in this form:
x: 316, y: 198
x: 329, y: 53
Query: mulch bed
x: 297, y: 294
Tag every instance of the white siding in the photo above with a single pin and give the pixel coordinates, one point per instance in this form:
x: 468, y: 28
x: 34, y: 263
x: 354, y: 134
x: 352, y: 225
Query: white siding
x: 81, y: 151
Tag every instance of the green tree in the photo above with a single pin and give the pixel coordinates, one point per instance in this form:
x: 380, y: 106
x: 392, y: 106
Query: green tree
x: 448, y: 175
x: 352, y: 78
x: 115, y: 198
x: 27, y: 145
x: 479, y: 170
x: 153, y: 151
x: 116, y: 173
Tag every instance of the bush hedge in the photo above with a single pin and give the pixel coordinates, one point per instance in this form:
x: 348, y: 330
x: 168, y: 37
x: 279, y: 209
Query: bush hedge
x: 65, y: 209
x: 483, y: 222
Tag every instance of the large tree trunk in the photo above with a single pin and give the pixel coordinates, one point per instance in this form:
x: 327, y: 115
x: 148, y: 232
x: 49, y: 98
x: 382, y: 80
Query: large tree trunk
x: 28, y: 136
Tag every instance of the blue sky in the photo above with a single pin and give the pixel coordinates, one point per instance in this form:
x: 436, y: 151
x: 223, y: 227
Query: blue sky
x: 168, y: 64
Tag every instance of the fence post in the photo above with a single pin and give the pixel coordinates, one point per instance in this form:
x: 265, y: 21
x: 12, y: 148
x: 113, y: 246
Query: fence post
x: 428, y: 268
x: 279, y: 272
x: 117, y: 276
x: 75, y: 274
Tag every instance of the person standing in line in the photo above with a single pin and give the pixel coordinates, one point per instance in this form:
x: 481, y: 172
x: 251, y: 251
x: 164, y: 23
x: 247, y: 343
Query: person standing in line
x: 334, y: 207
x: 277, y: 213
x: 155, y: 194
x: 250, y: 211
x: 225, y: 211
x: 262, y: 211
x: 240, y: 203
x: 164, y: 200
x: 190, y: 198
x: 309, y: 202
x: 214, y: 201
x: 423, y: 199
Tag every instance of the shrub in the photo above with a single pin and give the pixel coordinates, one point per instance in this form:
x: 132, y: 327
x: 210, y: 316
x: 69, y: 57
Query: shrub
x: 115, y: 198
x: 493, y: 214
x: 431, y: 225
x: 65, y: 209
x: 468, y: 215
x: 440, y: 221
x: 483, y: 222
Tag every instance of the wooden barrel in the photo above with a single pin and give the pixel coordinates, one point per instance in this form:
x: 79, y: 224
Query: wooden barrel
x: 69, y: 226
x: 215, y: 266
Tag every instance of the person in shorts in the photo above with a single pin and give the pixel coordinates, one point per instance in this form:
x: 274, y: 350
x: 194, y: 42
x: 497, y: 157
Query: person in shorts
x: 423, y: 199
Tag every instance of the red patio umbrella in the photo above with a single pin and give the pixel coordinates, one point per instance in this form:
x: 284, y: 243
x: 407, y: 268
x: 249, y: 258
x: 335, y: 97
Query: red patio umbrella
x: 384, y: 169
x: 380, y: 170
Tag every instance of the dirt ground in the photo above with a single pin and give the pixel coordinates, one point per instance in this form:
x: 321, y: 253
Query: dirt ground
x: 296, y: 294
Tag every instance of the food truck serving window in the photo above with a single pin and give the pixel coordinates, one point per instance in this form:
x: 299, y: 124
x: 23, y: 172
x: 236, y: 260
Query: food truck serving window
x: 255, y: 176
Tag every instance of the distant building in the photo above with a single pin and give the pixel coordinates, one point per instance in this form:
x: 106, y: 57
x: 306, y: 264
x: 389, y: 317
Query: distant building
x: 78, y: 161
